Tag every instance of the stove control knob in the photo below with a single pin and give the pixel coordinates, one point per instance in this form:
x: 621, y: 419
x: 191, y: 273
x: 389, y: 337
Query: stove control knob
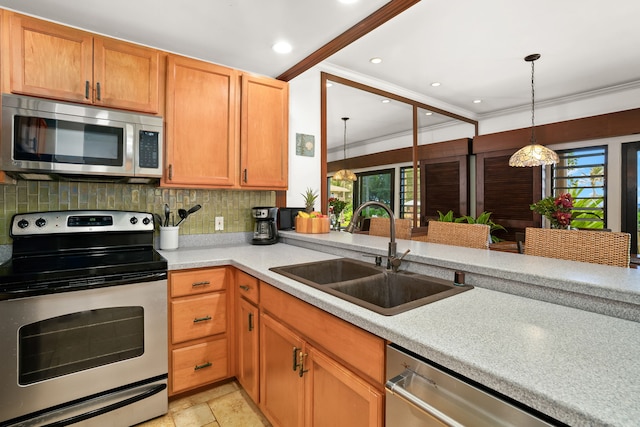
x: 133, y: 220
x: 23, y: 223
x: 146, y: 220
x: 41, y: 222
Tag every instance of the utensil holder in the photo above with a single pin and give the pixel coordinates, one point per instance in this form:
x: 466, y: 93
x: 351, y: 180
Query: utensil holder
x: 169, y: 238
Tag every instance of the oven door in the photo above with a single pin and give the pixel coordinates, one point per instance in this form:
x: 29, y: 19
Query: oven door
x: 75, y: 355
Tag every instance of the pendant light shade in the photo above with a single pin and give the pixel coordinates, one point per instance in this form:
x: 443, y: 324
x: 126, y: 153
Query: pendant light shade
x: 533, y: 154
x: 345, y: 174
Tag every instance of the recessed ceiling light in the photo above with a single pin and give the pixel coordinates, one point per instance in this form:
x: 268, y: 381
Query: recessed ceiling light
x: 477, y: 101
x: 435, y: 84
x: 329, y: 84
x: 375, y: 60
x: 385, y: 101
x: 428, y: 113
x: 281, y: 47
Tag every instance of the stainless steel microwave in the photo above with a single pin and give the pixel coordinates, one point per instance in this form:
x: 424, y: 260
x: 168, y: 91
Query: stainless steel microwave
x: 44, y: 138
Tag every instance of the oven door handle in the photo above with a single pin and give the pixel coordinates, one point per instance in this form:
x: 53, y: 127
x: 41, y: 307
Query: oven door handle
x: 395, y: 386
x: 112, y: 407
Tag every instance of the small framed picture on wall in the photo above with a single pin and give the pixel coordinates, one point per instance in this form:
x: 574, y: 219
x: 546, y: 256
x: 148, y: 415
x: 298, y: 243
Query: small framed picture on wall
x: 305, y: 145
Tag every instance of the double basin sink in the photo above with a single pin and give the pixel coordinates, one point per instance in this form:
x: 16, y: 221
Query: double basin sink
x: 382, y: 291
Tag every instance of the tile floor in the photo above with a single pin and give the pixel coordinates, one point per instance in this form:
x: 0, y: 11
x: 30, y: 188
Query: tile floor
x: 226, y: 405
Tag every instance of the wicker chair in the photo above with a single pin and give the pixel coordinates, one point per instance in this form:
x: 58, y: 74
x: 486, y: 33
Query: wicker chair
x: 609, y: 248
x: 380, y: 227
x: 459, y: 234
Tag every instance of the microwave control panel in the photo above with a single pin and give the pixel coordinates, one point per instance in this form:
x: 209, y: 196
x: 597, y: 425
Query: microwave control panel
x: 148, y: 154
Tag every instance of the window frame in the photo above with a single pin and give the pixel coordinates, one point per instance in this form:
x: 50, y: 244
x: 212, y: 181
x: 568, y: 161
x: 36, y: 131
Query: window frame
x: 577, y: 153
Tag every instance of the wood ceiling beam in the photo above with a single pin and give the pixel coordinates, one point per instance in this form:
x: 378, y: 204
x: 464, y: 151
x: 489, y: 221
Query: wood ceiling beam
x: 368, y: 24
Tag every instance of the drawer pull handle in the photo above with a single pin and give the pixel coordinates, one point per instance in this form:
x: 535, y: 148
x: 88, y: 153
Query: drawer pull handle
x: 206, y: 282
x: 245, y: 288
x: 204, y: 365
x: 201, y: 319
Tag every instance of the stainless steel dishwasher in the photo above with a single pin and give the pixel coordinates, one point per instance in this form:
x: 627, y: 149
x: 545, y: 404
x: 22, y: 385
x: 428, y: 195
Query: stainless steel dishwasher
x: 420, y: 394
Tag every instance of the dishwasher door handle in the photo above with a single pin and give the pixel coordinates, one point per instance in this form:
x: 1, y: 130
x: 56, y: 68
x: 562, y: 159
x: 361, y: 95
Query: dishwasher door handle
x: 395, y: 386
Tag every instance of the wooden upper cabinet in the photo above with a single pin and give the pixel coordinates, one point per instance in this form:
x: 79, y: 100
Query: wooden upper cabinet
x: 50, y: 60
x: 125, y: 75
x: 200, y: 121
x: 54, y: 61
x: 264, y: 132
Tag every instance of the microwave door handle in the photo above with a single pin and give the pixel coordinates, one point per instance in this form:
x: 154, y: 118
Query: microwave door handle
x: 395, y: 386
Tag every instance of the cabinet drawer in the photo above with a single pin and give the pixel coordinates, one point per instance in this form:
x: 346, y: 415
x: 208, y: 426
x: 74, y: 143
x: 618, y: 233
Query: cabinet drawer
x: 197, y: 317
x: 248, y: 286
x: 199, y: 364
x: 195, y: 282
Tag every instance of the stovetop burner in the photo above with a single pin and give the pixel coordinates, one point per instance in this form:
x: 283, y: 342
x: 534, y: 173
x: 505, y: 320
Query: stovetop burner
x: 71, y: 250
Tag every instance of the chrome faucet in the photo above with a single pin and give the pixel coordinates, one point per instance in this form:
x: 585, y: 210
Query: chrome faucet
x: 393, y: 262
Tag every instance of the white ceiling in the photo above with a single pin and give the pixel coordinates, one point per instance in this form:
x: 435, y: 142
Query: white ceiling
x: 475, y: 49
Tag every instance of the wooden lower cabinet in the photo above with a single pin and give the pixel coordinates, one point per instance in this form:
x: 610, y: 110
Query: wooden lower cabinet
x: 281, y: 386
x: 199, y: 349
x: 304, y: 384
x: 248, y: 324
x: 338, y: 397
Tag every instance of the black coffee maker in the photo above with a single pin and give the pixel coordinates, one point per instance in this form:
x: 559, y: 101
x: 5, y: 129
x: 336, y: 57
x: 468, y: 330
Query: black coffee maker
x: 265, y: 231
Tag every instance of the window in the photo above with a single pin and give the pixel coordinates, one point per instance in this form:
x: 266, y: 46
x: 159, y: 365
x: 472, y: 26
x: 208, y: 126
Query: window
x: 631, y: 193
x: 375, y: 185
x: 582, y: 173
x: 407, y: 181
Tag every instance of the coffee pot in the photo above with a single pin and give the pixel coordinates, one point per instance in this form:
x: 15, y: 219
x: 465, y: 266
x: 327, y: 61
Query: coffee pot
x: 265, y: 231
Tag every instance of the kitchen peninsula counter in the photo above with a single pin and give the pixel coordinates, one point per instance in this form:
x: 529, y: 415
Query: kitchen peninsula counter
x: 573, y: 364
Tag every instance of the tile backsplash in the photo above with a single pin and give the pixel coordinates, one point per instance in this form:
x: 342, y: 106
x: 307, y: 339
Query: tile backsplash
x: 233, y: 205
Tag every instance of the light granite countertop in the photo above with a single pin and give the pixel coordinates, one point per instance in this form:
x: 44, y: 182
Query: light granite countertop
x: 573, y: 364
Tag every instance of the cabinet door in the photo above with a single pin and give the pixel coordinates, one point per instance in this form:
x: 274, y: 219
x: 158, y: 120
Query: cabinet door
x: 50, y: 60
x: 281, y: 387
x: 264, y: 132
x: 248, y: 341
x: 337, y: 397
x: 125, y: 75
x: 201, y: 122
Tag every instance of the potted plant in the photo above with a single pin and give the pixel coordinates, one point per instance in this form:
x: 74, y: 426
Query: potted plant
x: 310, y: 196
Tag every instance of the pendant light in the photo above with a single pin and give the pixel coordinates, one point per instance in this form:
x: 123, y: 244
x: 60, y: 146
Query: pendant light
x: 345, y: 174
x: 533, y: 154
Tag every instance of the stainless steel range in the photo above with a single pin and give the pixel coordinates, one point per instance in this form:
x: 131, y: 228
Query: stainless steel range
x: 83, y: 321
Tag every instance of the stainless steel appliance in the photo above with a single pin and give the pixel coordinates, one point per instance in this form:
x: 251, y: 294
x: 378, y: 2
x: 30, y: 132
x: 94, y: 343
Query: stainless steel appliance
x: 420, y: 393
x: 43, y: 138
x: 265, y: 231
x: 83, y: 321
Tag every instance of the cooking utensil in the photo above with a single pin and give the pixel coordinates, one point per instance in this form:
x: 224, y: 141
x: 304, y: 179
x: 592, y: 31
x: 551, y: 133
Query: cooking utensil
x: 182, y: 213
x: 166, y: 215
x: 158, y: 220
x: 187, y: 213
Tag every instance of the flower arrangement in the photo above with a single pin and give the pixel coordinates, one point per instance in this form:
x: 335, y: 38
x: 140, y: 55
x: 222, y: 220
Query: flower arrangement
x: 556, y: 209
x: 336, y: 206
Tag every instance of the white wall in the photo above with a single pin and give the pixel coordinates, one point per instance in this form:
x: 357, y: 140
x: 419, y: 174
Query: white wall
x: 304, y: 117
